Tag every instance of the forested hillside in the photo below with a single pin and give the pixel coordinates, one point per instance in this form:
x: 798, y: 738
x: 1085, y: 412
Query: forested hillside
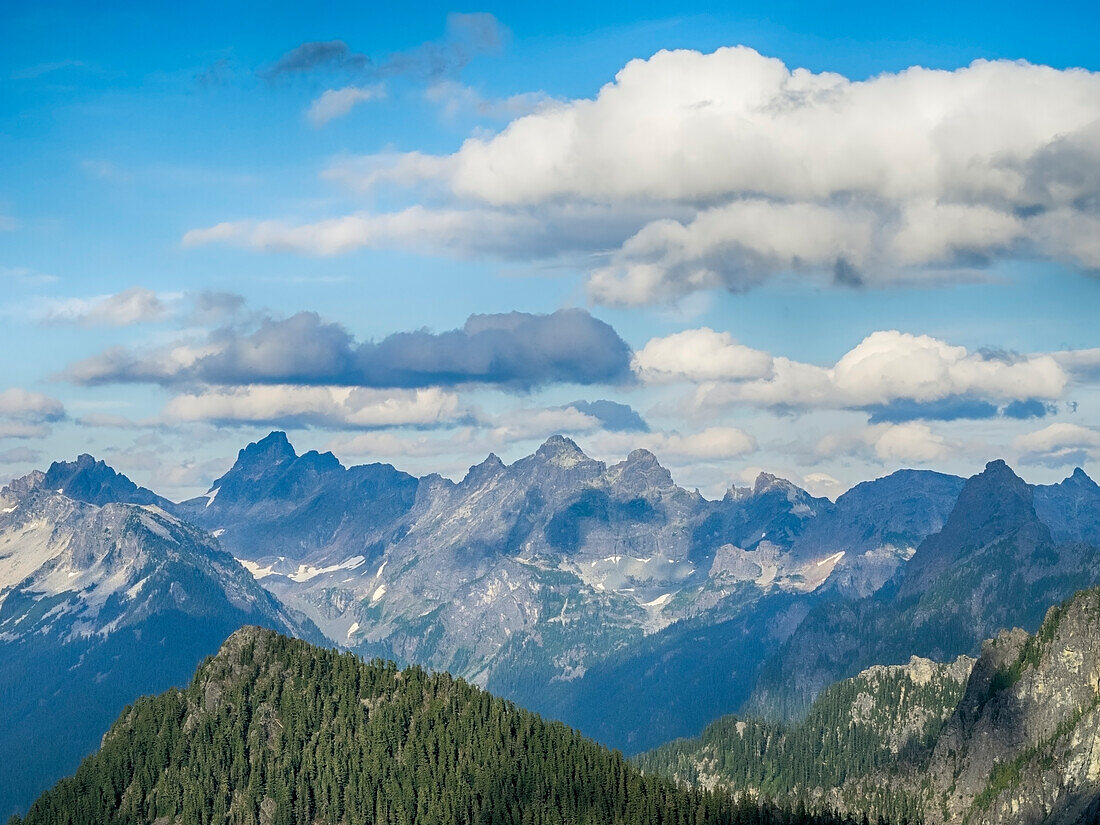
x: 883, y: 721
x: 275, y: 731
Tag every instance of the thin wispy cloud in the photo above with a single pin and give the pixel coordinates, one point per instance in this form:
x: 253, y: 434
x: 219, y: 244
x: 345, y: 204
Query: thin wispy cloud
x: 336, y: 103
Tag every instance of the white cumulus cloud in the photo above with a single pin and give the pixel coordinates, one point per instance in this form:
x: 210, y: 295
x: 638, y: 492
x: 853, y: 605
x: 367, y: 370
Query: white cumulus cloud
x: 747, y: 167
x: 912, y: 441
x: 699, y: 355
x: 324, y: 406
x: 889, y: 366
x: 1059, y: 444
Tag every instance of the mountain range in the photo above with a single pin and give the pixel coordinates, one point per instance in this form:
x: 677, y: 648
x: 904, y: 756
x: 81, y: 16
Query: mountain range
x: 602, y: 595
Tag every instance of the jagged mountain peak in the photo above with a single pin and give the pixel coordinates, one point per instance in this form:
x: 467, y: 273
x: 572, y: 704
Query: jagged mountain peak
x: 994, y: 505
x: 558, y: 445
x: 490, y: 467
x: 321, y: 462
x: 766, y: 482
x: 560, y: 451
x: 644, y: 457
x: 642, y: 468
x: 1079, y: 476
x: 997, y: 490
x: 274, y: 448
x: 95, y: 482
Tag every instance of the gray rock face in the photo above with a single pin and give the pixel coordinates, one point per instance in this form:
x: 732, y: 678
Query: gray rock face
x: 1023, y: 746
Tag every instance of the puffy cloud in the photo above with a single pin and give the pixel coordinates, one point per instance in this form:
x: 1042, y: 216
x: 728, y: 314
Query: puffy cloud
x: 26, y: 414
x: 738, y: 245
x: 23, y: 405
x: 343, y: 407
x: 530, y: 424
x: 384, y: 444
x: 1082, y: 364
x: 699, y: 355
x: 889, y: 367
x: 754, y: 168
x: 888, y: 444
x: 712, y: 443
x: 135, y: 305
x: 19, y: 455
x: 685, y: 125
x: 1059, y: 445
x: 516, y: 349
x: 612, y: 415
x: 497, y: 433
x: 334, y: 103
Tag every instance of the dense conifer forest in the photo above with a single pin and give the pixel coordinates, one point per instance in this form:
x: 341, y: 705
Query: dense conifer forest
x: 856, y: 732
x: 273, y: 730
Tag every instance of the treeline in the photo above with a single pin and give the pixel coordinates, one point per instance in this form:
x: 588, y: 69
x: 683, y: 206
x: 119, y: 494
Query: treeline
x: 273, y: 730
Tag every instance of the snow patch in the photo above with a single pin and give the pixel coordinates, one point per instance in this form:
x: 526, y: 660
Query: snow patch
x: 305, y: 572
x: 255, y: 569
x: 213, y: 494
x: 136, y: 588
x: 660, y: 601
x: 832, y: 559
x: 351, y: 630
x: 378, y: 594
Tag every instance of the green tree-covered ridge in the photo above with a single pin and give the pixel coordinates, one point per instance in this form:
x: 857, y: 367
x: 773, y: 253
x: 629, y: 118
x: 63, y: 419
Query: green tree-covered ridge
x: 273, y: 730
x: 883, y: 720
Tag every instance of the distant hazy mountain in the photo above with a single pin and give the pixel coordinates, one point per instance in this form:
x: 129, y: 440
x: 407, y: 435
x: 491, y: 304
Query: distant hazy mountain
x: 1070, y: 509
x: 274, y: 731
x: 994, y: 564
x: 558, y: 580
x: 101, y: 601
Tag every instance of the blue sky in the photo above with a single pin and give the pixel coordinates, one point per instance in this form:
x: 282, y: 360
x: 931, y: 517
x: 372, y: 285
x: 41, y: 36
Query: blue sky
x: 809, y: 258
